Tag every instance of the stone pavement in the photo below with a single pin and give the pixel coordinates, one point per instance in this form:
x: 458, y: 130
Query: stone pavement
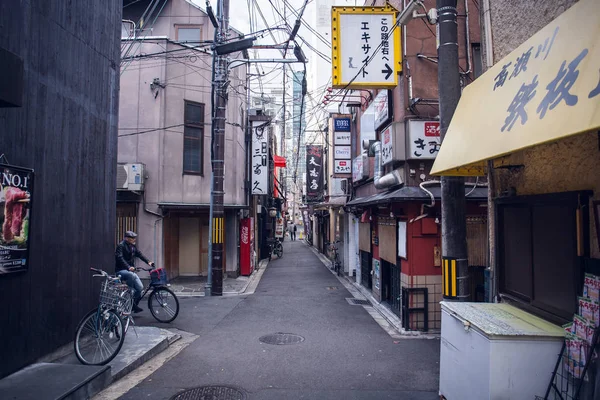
x: 194, y: 286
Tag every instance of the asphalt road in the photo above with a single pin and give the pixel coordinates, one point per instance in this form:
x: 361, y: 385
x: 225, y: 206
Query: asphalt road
x: 345, y: 353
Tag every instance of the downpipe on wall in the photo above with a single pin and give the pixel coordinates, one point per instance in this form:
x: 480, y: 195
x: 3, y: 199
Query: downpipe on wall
x: 394, y: 178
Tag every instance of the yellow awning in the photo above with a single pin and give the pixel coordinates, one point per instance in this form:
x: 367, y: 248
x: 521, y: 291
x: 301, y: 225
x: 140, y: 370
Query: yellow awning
x: 547, y: 89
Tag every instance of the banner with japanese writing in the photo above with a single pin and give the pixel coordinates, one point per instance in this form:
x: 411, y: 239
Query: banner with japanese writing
x: 314, y: 173
x: 16, y: 190
x: 260, y: 158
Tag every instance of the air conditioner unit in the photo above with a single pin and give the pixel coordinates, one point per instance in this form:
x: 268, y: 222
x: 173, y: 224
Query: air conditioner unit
x: 130, y: 176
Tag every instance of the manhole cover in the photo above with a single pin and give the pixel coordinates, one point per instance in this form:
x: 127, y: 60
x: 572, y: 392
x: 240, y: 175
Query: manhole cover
x: 211, y: 393
x: 282, y: 338
x: 358, y: 302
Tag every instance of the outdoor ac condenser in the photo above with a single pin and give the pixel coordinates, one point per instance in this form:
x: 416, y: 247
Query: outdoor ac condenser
x: 130, y: 176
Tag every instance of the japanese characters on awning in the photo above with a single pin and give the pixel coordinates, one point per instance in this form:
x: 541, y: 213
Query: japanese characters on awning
x: 546, y: 89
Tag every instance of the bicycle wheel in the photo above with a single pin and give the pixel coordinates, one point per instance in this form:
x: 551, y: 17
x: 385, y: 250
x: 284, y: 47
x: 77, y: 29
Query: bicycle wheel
x: 278, y: 250
x: 124, y: 307
x: 163, y: 304
x: 99, y: 337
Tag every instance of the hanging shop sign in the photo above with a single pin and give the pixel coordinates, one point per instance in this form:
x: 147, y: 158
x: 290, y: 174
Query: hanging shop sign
x: 342, y: 153
x: 365, y: 47
x: 341, y: 124
x: 548, y: 88
x: 360, y: 168
x: 314, y: 173
x: 342, y: 138
x: 260, y: 158
x: 382, y: 105
x: 342, y: 167
x: 16, y: 191
x: 279, y: 228
x: 423, y: 140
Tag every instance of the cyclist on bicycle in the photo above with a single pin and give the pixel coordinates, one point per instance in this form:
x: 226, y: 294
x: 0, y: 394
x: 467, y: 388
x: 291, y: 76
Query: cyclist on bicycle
x: 125, y: 266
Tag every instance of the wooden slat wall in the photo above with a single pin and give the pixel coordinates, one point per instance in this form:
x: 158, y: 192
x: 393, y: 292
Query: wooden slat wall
x: 126, y: 220
x: 364, y: 237
x: 387, y: 242
x: 477, y: 240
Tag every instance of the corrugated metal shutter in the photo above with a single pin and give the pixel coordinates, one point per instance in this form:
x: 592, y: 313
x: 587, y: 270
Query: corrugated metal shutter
x: 387, y: 241
x: 364, y: 240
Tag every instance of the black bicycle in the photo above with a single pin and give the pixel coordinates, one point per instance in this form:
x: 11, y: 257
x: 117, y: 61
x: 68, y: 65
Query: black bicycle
x: 276, y: 247
x: 100, y: 334
x: 336, y: 263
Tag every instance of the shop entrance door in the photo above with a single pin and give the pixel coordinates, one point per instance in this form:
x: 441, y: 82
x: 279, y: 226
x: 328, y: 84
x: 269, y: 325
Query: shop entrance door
x: 395, y: 292
x: 365, y: 269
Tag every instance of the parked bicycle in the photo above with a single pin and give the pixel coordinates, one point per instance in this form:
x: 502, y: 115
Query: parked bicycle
x: 336, y: 264
x: 100, y: 334
x: 276, y: 247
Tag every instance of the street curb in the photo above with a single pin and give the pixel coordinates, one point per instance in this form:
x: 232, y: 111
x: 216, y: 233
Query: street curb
x: 254, y: 277
x: 355, y: 288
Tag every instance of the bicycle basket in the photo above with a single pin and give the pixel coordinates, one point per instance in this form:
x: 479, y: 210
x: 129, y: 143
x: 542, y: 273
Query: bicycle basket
x: 110, y: 294
x: 158, y: 276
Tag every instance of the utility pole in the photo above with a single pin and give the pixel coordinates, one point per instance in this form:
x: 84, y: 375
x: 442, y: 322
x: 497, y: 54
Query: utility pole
x: 217, y: 213
x: 454, y: 225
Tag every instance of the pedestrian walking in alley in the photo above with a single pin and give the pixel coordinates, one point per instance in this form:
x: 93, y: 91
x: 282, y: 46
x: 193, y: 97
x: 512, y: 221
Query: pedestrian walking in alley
x: 295, y: 229
x: 125, y: 255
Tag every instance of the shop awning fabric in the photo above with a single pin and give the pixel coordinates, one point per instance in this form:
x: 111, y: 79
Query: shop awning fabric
x: 546, y: 89
x: 279, y: 161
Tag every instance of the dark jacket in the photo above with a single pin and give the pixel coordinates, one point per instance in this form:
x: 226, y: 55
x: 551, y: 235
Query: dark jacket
x: 125, y: 256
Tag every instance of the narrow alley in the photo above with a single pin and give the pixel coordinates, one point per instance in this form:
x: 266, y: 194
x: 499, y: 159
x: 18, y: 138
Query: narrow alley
x: 342, y: 352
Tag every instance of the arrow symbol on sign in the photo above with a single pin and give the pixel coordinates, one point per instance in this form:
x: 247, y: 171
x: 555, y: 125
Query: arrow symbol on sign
x: 388, y: 71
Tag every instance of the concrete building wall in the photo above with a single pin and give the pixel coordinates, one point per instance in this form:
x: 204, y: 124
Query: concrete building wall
x: 159, y: 115
x: 66, y: 130
x: 565, y: 165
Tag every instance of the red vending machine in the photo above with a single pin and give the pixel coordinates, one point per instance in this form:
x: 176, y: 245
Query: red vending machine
x: 246, y: 246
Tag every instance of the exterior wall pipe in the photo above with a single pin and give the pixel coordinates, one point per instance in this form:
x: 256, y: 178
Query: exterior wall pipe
x: 385, y: 181
x: 468, y: 40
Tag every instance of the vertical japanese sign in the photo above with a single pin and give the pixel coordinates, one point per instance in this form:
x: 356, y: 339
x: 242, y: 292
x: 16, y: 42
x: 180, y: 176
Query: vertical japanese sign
x: 260, y: 158
x: 365, y: 47
x: 314, y: 173
x: 16, y: 190
x: 307, y: 223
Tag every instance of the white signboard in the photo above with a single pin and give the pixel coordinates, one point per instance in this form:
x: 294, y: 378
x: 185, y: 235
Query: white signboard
x: 342, y: 138
x: 360, y: 168
x: 382, y: 110
x: 342, y: 153
x: 368, y: 50
x: 342, y: 167
x: 387, y: 145
x: 279, y: 228
x: 402, y: 239
x: 260, y: 158
x: 423, y: 140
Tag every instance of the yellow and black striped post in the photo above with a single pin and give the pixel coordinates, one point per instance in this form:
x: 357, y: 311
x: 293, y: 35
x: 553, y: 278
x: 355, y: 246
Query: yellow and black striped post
x: 451, y: 277
x: 449, y: 284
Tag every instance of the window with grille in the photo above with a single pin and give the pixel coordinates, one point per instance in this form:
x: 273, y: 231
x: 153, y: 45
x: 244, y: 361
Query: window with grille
x: 193, y: 138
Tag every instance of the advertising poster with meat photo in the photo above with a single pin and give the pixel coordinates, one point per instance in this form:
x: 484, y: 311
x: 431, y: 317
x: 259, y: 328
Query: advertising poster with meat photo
x: 16, y: 186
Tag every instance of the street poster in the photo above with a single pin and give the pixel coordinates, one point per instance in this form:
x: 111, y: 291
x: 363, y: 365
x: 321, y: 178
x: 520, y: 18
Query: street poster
x: 16, y: 189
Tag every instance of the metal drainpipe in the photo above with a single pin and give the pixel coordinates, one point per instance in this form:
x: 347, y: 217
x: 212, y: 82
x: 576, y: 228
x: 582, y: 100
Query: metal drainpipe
x: 468, y: 40
x: 385, y: 181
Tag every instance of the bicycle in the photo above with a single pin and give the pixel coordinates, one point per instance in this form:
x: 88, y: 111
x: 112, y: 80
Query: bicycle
x: 276, y: 247
x: 116, y: 303
x: 102, y: 330
x: 336, y: 264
